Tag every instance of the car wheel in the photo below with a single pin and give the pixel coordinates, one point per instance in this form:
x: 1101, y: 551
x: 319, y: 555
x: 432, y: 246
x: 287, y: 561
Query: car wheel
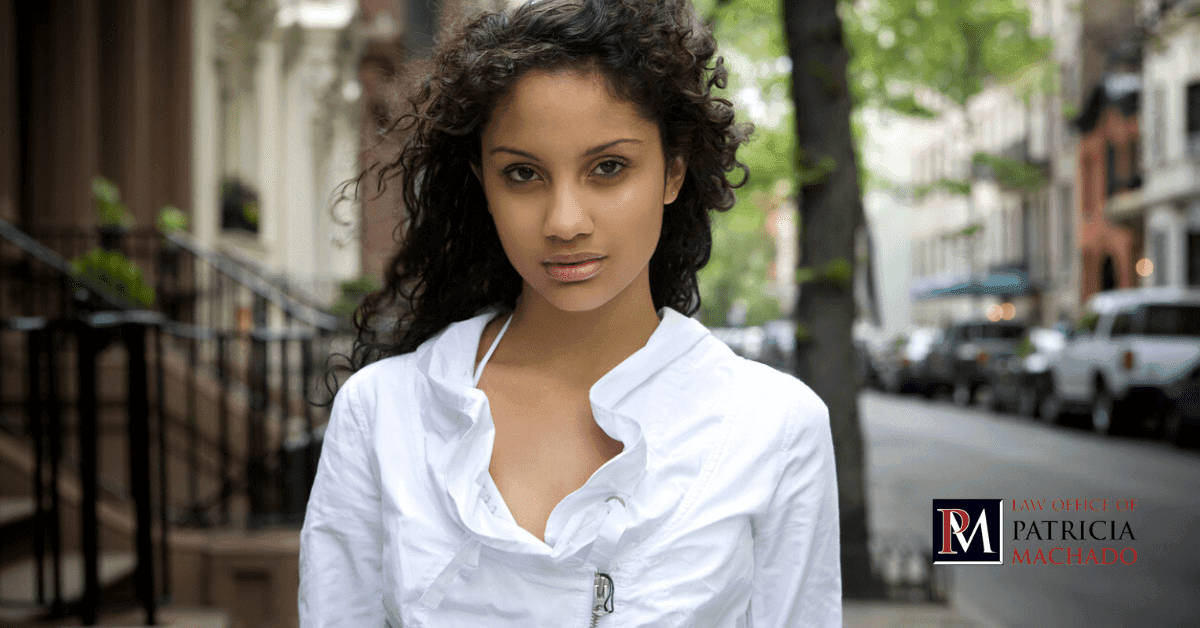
x: 1027, y: 401
x: 1174, y: 430
x: 1172, y: 424
x: 1050, y: 408
x: 961, y: 394
x: 986, y: 397
x: 1102, y: 412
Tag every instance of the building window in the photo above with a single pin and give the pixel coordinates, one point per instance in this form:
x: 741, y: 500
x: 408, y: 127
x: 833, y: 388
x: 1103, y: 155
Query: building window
x: 1108, y: 274
x: 1193, y: 119
x: 239, y: 206
x: 422, y: 26
x: 1066, y: 212
x: 1111, y: 184
x: 1005, y: 234
x: 1158, y: 137
x: 1133, y: 176
x: 1158, y: 249
x: 1193, y: 258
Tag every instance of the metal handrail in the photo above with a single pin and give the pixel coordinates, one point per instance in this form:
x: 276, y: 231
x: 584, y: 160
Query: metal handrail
x: 257, y: 284
x: 49, y: 257
x: 279, y: 279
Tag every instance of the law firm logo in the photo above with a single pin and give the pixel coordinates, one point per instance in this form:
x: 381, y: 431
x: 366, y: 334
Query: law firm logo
x: 968, y: 532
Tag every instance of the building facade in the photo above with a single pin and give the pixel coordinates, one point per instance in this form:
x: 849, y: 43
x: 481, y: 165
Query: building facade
x: 1108, y: 168
x: 1000, y: 243
x: 1167, y: 206
x: 275, y: 133
x: 93, y: 88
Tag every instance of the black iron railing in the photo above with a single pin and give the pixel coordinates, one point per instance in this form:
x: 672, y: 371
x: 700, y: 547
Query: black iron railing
x: 214, y: 390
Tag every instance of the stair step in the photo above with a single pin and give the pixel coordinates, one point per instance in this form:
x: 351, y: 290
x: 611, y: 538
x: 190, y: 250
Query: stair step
x: 172, y: 618
x: 18, y: 581
x: 14, y: 509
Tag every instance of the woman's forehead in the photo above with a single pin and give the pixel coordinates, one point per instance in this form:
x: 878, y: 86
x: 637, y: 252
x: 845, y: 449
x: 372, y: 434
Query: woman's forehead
x: 562, y: 110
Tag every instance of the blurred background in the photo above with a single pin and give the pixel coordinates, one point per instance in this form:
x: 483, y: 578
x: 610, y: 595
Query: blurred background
x: 1021, y: 264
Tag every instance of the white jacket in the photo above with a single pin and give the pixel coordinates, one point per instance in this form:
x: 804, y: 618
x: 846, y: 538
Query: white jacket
x: 721, y: 511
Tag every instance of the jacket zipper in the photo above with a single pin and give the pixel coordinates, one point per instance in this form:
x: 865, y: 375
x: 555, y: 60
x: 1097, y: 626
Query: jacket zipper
x: 602, y: 597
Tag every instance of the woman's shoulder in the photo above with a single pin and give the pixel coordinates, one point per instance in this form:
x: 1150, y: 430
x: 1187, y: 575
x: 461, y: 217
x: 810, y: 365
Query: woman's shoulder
x: 384, y: 371
x: 391, y: 375
x: 748, y: 381
x: 782, y: 390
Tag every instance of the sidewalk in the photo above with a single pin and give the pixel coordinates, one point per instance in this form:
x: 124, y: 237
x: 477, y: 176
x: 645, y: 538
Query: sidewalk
x: 883, y: 614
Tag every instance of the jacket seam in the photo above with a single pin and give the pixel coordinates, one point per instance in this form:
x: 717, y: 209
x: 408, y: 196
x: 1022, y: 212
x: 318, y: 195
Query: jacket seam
x: 720, y: 440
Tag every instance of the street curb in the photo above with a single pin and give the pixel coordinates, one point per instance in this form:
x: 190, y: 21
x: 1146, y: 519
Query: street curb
x: 975, y: 614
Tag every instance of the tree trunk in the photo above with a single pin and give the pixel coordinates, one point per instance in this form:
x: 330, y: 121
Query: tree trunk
x: 831, y: 211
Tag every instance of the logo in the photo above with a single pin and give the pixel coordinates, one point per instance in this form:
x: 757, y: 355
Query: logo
x: 968, y: 532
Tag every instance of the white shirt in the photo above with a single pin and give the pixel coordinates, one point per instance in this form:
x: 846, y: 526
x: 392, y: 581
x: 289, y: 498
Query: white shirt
x: 721, y: 510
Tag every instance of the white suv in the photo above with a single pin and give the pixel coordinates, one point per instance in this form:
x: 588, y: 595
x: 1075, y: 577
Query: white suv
x: 1134, y: 361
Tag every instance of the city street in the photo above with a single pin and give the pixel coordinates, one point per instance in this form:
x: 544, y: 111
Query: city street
x: 920, y: 450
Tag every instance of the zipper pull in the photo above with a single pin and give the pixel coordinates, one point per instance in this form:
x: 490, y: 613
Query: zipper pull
x: 602, y: 595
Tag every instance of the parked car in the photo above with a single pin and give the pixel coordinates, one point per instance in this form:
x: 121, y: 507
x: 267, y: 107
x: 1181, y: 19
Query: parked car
x: 970, y: 355
x: 1134, y: 362
x: 1024, y: 382
x: 779, y: 344
x: 745, y: 341
x: 868, y: 367
x: 904, y: 370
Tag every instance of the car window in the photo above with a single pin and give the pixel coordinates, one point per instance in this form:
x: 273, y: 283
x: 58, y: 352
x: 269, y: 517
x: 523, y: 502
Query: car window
x: 1122, y: 324
x: 1003, y: 332
x: 1173, y: 320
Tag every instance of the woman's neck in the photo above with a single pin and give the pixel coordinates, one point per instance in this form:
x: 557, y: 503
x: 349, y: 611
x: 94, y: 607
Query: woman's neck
x: 584, y: 344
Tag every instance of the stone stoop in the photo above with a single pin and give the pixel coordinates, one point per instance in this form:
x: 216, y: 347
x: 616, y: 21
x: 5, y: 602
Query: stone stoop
x: 253, y: 576
x: 242, y: 579
x: 169, y: 617
x: 18, y: 581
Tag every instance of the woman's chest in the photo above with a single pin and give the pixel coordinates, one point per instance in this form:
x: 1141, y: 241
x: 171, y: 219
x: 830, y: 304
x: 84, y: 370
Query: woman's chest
x: 546, y: 445
x: 691, y: 489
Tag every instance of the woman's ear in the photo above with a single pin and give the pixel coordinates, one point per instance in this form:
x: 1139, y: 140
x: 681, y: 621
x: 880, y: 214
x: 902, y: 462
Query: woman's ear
x: 675, y: 174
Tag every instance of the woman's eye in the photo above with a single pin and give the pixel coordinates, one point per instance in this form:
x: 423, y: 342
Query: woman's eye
x: 610, y: 168
x: 522, y: 174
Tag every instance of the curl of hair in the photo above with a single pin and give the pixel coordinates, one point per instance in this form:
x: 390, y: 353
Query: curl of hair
x: 449, y: 263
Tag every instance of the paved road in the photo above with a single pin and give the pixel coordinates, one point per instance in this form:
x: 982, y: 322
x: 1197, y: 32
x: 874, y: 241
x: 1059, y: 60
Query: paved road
x: 919, y: 450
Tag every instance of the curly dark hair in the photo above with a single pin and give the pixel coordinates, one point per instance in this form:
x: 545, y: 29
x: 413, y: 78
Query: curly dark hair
x: 450, y: 264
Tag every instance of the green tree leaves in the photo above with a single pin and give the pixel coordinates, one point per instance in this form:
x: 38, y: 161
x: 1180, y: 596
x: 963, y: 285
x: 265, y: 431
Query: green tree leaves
x: 750, y: 36
x: 953, y: 47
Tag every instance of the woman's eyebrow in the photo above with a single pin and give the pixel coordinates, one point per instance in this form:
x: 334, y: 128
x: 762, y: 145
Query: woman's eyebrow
x: 608, y: 145
x: 505, y: 149
x: 591, y: 151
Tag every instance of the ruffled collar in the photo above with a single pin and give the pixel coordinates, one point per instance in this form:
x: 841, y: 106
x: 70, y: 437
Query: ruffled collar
x: 460, y: 433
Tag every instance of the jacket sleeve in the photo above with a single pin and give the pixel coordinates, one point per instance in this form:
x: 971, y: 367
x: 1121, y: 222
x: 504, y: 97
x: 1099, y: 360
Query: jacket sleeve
x: 797, y: 557
x: 342, y: 537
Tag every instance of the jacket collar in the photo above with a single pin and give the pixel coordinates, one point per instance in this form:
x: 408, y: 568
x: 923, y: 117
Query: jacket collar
x: 460, y: 433
x: 448, y: 360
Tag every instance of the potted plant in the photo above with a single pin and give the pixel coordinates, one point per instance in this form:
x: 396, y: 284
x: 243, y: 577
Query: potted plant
x: 112, y: 217
x: 353, y: 292
x: 114, y: 270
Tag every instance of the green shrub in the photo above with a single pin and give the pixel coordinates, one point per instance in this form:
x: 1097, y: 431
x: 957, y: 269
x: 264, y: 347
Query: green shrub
x: 171, y: 219
x: 114, y: 270
x: 110, y: 211
x: 353, y: 292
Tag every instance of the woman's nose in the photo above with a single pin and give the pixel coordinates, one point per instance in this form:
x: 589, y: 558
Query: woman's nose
x: 568, y: 215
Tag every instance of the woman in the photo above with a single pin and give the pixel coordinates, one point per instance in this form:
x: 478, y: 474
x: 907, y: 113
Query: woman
x: 552, y: 441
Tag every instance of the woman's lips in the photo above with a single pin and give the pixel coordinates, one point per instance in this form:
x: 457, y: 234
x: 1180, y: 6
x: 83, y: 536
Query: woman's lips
x: 574, y: 272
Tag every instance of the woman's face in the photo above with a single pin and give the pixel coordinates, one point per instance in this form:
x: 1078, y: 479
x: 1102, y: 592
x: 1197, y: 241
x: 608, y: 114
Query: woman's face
x: 576, y: 182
